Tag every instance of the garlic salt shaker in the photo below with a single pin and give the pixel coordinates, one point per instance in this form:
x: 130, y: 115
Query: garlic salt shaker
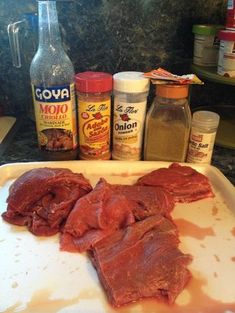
x: 202, y: 137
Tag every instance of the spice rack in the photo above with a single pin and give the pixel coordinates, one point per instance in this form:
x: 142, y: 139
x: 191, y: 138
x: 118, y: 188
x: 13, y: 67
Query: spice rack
x: 226, y: 131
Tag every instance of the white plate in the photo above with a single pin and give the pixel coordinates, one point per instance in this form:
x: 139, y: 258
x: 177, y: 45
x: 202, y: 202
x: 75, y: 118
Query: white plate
x: 36, y: 277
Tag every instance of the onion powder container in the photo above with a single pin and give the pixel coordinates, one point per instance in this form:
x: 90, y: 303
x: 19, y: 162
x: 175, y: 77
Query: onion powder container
x: 130, y: 99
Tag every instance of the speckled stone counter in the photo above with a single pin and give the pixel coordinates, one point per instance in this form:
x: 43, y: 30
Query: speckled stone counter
x: 22, y: 147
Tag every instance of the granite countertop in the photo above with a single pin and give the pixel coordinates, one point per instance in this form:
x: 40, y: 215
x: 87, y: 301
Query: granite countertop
x: 21, y: 146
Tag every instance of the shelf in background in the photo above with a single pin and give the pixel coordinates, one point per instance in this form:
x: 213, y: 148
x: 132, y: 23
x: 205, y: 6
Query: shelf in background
x: 210, y: 73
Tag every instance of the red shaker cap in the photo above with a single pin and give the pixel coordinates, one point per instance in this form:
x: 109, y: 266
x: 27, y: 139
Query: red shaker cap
x: 93, y: 82
x: 227, y: 35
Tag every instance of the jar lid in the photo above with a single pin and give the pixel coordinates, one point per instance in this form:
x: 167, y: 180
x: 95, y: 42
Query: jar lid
x: 130, y: 82
x: 206, y: 119
x: 172, y: 91
x: 93, y: 82
x: 206, y: 29
x: 228, y: 35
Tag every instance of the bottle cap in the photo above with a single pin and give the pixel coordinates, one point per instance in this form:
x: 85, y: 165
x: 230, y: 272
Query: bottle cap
x: 227, y: 35
x: 206, y: 119
x: 172, y: 91
x: 130, y: 82
x: 207, y: 30
x: 93, y: 82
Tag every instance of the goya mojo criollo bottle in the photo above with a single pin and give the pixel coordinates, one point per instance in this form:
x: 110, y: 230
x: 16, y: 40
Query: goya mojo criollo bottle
x: 52, y: 79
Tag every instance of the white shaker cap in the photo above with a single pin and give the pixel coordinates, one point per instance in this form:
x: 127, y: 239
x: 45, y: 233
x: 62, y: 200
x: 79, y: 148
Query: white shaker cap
x: 130, y: 82
x: 206, y: 119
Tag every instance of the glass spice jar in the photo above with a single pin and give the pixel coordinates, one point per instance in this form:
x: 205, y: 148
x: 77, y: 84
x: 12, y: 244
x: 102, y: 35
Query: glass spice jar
x: 168, y: 124
x: 94, y: 113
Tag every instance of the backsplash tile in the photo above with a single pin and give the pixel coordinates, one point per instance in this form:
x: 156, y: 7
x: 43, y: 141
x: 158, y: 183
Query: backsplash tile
x: 112, y: 36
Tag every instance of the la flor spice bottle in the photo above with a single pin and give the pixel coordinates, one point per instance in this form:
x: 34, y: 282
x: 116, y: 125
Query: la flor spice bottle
x: 130, y: 100
x: 94, y: 114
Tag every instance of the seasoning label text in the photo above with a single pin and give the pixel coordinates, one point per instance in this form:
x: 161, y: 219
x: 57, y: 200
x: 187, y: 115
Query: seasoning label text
x: 55, y: 114
x: 128, y: 128
x: 94, y: 129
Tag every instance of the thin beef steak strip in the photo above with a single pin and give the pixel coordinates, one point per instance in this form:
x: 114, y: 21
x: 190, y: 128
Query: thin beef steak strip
x: 147, y: 200
x: 183, y: 182
x: 142, y: 261
x: 95, y: 216
x: 42, y: 198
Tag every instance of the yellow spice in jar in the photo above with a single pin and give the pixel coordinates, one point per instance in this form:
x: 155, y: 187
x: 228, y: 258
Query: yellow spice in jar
x: 166, y: 140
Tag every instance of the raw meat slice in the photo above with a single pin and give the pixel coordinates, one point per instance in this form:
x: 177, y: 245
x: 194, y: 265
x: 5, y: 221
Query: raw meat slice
x: 142, y: 261
x: 94, y: 216
x: 147, y: 200
x: 183, y: 182
x: 42, y: 198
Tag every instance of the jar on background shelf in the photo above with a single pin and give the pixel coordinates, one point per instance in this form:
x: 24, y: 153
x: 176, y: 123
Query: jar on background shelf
x: 130, y: 99
x: 168, y: 124
x: 206, y: 44
x: 202, y: 136
x: 94, y: 114
x: 230, y: 16
x: 226, y: 62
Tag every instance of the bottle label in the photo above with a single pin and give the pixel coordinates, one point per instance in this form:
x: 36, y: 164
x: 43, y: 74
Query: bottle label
x: 55, y: 114
x: 200, y: 147
x: 128, y: 126
x: 94, y: 129
x: 230, y: 4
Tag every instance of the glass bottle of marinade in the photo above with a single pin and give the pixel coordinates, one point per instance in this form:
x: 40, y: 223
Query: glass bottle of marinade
x: 52, y: 79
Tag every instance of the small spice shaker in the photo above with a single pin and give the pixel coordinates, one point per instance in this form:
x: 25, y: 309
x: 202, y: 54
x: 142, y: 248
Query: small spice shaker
x: 226, y: 62
x: 130, y: 99
x: 206, y: 44
x: 94, y: 114
x: 168, y: 124
x: 230, y: 16
x: 202, y: 136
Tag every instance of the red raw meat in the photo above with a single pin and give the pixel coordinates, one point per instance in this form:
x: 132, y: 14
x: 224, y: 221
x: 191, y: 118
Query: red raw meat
x: 142, y: 261
x: 147, y: 200
x: 95, y: 216
x: 42, y: 198
x: 183, y: 182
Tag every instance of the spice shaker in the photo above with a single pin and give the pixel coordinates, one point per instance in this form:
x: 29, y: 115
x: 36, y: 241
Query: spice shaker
x: 202, y: 136
x: 226, y: 62
x: 206, y: 44
x: 130, y: 99
x: 168, y: 124
x: 230, y: 16
x: 94, y: 114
